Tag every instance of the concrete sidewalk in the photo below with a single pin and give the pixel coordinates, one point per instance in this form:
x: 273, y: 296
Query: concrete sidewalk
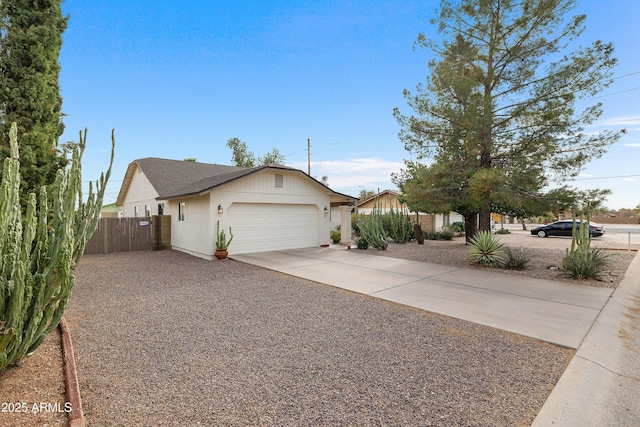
x: 557, y: 312
x: 601, y: 385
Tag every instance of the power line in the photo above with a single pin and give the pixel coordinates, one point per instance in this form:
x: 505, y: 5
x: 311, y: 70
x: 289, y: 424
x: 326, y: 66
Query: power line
x: 616, y: 93
x: 605, y: 177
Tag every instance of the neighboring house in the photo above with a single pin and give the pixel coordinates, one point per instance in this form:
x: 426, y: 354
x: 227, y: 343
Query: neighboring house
x: 387, y: 199
x: 111, y: 211
x: 271, y: 207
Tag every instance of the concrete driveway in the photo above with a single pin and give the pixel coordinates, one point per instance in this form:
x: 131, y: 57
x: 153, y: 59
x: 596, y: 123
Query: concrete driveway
x: 556, y: 312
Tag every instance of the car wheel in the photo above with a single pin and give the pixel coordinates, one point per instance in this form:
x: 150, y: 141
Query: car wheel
x: 541, y: 233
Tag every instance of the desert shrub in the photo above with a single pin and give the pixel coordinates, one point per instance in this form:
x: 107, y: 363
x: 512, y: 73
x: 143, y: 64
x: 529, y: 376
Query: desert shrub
x: 457, y: 227
x: 335, y: 236
x: 503, y: 231
x: 354, y: 224
x: 515, y: 260
x: 585, y: 264
x: 362, y: 244
x: 485, y: 249
x: 444, y: 235
x: 439, y: 235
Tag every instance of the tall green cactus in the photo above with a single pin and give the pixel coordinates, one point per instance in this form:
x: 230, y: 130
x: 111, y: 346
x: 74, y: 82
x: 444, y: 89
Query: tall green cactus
x: 371, y: 228
x: 40, y: 248
x: 400, y: 227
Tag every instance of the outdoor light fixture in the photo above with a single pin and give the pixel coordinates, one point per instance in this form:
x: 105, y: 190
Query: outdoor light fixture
x: 219, y: 209
x: 326, y: 211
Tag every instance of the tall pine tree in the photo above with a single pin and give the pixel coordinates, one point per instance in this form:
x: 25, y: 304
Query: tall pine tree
x: 497, y: 112
x: 31, y: 38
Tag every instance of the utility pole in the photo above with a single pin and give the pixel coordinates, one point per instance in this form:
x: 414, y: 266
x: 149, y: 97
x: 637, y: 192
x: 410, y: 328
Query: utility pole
x: 309, y: 156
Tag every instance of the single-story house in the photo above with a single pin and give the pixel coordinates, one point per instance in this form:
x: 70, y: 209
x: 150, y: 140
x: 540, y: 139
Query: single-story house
x: 387, y: 199
x: 272, y: 207
x: 384, y: 201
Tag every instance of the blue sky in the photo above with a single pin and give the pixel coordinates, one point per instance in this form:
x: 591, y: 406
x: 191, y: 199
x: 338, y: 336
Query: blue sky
x: 178, y: 79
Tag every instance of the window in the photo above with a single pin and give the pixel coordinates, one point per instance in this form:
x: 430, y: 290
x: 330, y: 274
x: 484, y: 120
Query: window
x: 182, y: 207
x: 135, y: 212
x: 147, y: 212
x: 279, y: 180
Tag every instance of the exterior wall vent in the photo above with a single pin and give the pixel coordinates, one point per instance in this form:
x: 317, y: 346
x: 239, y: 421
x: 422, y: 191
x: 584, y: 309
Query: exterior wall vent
x: 279, y: 180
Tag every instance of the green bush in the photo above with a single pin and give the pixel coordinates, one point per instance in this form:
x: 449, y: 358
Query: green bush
x: 515, y: 260
x: 336, y: 235
x: 457, y: 227
x: 585, y: 264
x: 362, y: 244
x: 439, y: 235
x: 354, y: 224
x: 503, y: 231
x: 484, y: 249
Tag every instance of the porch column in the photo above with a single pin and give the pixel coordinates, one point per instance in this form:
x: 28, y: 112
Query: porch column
x: 345, y: 225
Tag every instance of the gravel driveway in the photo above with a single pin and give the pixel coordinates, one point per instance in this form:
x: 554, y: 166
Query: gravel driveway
x: 163, y: 338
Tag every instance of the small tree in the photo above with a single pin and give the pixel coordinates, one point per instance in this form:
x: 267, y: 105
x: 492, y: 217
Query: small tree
x: 40, y: 248
x: 242, y: 156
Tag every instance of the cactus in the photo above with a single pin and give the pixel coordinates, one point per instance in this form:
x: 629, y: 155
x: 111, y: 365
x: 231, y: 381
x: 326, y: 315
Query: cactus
x: 371, y: 229
x: 221, y: 242
x: 400, y: 229
x: 581, y: 261
x: 40, y: 248
x: 417, y: 230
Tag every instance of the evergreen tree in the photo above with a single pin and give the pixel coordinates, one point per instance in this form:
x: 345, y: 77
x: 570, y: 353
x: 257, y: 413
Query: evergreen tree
x: 31, y: 38
x: 497, y: 113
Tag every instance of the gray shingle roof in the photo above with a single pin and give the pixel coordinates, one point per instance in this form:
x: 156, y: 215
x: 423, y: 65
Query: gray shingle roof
x: 170, y: 176
x: 177, y: 178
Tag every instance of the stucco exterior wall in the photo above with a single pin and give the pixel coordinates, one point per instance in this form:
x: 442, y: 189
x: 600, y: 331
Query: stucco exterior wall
x: 140, y: 193
x: 194, y: 235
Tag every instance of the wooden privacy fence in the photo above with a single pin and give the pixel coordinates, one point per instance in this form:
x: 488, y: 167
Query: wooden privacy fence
x: 130, y: 234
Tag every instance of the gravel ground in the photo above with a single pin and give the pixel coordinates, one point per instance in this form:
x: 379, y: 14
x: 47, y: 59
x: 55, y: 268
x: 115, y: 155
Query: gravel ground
x: 32, y: 392
x: 545, y: 256
x: 163, y: 338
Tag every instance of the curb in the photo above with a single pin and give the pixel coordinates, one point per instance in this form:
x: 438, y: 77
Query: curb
x: 601, y: 384
x: 72, y: 387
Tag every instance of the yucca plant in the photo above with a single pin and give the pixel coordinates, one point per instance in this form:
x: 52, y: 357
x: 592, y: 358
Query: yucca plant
x: 581, y: 261
x: 515, y: 260
x: 585, y: 264
x: 484, y: 249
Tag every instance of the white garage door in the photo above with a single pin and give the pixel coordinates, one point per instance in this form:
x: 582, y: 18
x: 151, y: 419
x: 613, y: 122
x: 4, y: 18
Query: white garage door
x: 271, y: 227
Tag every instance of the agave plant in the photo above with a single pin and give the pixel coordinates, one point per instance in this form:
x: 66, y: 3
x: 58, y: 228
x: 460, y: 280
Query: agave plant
x: 484, y: 249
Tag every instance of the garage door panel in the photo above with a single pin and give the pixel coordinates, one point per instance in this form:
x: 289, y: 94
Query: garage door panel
x: 267, y: 227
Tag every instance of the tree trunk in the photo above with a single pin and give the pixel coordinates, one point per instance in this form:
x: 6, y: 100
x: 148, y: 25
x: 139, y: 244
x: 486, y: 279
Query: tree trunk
x: 470, y: 225
x: 484, y: 218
